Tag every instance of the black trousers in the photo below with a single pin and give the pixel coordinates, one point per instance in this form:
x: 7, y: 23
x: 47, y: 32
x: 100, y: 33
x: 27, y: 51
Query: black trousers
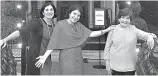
x: 123, y: 73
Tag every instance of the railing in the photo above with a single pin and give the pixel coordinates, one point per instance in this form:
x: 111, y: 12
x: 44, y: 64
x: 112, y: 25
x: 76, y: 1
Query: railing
x: 89, y: 54
x: 16, y: 52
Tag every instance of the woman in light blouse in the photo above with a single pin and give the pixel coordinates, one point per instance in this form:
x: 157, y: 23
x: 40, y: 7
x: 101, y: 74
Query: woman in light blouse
x: 120, y: 54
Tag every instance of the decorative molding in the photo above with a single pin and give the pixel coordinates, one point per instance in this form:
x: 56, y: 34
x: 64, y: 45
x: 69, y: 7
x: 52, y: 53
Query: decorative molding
x: 65, y: 2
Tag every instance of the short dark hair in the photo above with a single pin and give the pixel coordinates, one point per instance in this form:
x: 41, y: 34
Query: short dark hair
x: 45, y: 5
x: 124, y: 12
x: 74, y: 7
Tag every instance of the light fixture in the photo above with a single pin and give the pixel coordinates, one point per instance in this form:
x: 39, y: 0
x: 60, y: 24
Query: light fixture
x: 19, y: 45
x: 137, y: 50
x: 23, y: 21
x: 19, y: 25
x: 19, y: 6
x: 128, y: 2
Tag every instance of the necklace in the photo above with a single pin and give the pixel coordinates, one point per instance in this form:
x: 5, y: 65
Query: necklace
x: 49, y: 25
x: 74, y: 27
x: 48, y: 21
x: 49, y: 30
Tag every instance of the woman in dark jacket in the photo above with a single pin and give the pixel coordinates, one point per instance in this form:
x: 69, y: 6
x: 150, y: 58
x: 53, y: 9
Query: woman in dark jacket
x: 40, y: 31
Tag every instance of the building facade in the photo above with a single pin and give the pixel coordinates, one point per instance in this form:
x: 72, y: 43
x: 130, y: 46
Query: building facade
x: 62, y: 6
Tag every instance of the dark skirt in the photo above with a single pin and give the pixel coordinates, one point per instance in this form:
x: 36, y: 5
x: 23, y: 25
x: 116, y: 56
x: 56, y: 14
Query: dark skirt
x: 71, y: 61
x: 30, y: 66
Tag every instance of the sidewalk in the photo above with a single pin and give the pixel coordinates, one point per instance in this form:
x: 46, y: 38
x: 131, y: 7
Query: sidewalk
x: 88, y: 69
x: 92, y: 57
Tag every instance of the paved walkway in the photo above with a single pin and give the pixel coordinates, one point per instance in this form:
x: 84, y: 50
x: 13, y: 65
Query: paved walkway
x: 88, y: 69
x: 92, y: 57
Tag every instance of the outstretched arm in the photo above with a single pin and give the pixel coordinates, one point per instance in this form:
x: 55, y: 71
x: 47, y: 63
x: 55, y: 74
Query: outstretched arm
x: 101, y: 32
x: 10, y: 37
x: 146, y: 37
x: 33, y: 25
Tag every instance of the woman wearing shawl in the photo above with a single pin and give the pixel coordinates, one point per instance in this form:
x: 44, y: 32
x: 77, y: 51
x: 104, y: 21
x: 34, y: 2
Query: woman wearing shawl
x: 68, y: 36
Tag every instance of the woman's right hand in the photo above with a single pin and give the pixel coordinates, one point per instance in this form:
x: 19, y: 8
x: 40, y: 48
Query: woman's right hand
x: 2, y: 43
x: 41, y: 61
x: 108, y: 69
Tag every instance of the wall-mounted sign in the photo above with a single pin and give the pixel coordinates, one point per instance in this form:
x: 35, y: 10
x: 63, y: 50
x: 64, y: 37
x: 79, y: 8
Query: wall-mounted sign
x: 99, y: 16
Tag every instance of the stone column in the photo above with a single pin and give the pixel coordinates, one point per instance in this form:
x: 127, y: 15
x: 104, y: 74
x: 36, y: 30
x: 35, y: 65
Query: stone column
x: 0, y: 31
x: 113, y: 10
x: 91, y: 11
x: 110, y: 5
x: 28, y: 13
x: 40, y: 3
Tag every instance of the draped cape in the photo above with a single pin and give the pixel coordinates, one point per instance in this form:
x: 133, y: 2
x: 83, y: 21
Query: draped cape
x: 66, y: 35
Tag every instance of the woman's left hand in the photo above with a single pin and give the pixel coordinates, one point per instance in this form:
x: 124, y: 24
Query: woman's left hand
x: 108, y: 69
x: 150, y: 42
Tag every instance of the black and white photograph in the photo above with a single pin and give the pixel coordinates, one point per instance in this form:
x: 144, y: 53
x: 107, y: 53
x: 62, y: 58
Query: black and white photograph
x: 79, y: 37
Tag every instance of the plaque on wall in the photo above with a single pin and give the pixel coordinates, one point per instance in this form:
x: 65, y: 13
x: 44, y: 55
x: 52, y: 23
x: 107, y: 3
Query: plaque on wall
x: 100, y: 17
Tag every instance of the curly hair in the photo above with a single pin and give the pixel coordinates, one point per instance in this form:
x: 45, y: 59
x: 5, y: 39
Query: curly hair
x: 74, y: 7
x: 45, y: 5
